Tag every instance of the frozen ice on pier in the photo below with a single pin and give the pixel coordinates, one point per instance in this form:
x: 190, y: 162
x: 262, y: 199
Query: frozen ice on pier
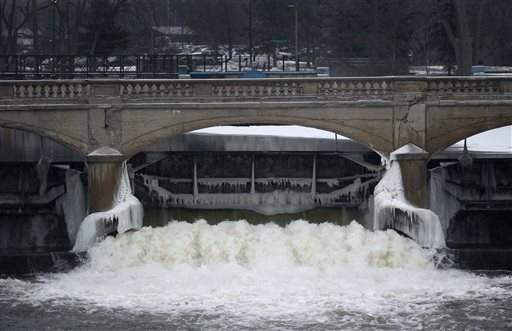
x: 127, y: 214
x: 72, y: 203
x: 392, y: 210
x: 444, y: 200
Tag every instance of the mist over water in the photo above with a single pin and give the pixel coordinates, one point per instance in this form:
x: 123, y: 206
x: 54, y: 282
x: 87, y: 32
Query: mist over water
x: 298, y: 276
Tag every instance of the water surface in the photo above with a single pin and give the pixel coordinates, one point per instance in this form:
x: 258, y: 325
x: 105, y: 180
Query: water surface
x: 237, y: 275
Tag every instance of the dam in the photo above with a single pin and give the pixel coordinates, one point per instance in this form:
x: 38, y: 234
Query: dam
x: 255, y: 165
x: 105, y: 185
x: 262, y: 178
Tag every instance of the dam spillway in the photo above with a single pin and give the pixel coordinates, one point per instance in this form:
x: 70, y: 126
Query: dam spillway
x: 268, y: 183
x: 294, y: 271
x: 44, y: 200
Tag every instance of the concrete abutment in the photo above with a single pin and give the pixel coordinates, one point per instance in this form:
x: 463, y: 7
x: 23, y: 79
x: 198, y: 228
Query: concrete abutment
x: 413, y: 165
x: 104, y: 178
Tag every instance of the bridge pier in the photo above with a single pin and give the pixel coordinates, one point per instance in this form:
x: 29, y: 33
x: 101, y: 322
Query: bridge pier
x: 112, y: 207
x: 413, y: 165
x: 104, y: 178
x: 400, y: 198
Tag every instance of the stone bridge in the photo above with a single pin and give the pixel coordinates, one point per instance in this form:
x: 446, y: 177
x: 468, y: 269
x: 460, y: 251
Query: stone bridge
x: 108, y: 121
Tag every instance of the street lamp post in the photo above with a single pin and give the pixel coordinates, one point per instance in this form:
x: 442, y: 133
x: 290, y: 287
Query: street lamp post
x: 54, y: 5
x: 296, y: 7
x: 250, y: 34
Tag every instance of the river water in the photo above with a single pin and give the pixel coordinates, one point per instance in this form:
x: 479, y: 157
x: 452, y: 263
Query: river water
x: 236, y: 275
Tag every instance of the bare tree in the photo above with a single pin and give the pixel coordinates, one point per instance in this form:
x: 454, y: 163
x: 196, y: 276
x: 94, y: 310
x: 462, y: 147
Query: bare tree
x: 14, y: 14
x: 464, y: 32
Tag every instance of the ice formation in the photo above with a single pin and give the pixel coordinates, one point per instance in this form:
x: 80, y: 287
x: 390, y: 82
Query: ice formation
x: 392, y: 210
x: 445, y: 204
x: 127, y: 214
x: 287, y: 195
x: 73, y: 203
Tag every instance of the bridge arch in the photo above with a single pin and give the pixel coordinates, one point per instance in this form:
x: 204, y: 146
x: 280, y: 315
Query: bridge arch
x: 71, y: 143
x: 372, y: 140
x: 463, y: 131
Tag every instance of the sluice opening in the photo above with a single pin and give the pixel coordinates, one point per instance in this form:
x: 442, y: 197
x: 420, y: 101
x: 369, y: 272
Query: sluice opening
x: 255, y: 178
x: 42, y: 202
x: 204, y: 177
x: 470, y: 189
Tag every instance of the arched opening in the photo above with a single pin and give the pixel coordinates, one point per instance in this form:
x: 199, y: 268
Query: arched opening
x: 76, y: 145
x: 133, y: 142
x: 470, y: 185
x: 494, y: 140
x: 42, y: 192
x: 259, y: 173
x: 484, y: 134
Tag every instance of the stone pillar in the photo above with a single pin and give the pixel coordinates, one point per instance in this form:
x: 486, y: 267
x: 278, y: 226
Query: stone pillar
x: 104, y: 177
x: 413, y: 165
x: 410, y: 113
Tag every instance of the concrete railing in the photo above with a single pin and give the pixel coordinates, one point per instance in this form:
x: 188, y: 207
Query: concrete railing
x: 353, y: 88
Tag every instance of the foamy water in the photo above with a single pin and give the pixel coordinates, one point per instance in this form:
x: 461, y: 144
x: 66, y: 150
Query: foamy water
x: 321, y: 275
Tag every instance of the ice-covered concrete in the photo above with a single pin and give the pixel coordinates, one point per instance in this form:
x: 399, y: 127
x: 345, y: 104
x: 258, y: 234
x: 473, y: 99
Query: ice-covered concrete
x: 297, y: 198
x: 392, y: 210
x: 126, y: 215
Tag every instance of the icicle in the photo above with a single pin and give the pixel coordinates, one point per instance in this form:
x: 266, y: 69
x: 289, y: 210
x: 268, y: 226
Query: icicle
x: 73, y: 203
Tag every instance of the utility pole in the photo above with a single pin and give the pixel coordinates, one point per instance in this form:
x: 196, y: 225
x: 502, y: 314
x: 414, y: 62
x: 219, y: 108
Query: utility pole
x: 35, y: 27
x: 296, y: 7
x: 54, y: 5
x: 169, y: 12
x: 172, y: 21
x: 175, y: 12
x: 297, y: 63
x: 250, y: 34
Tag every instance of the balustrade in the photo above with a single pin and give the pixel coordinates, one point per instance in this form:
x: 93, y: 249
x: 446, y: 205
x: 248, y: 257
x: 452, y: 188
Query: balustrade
x: 157, y: 89
x: 339, y: 88
x: 257, y: 88
x: 51, y: 89
x: 355, y: 87
x: 463, y: 86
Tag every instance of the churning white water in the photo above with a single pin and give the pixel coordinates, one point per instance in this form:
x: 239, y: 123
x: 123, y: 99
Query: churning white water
x: 301, y: 274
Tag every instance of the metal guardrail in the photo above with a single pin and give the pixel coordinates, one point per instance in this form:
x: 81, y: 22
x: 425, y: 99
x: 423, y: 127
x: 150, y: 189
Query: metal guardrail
x: 43, y: 66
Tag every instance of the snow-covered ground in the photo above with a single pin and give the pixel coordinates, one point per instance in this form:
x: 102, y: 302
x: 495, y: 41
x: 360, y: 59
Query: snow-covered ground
x: 498, y: 140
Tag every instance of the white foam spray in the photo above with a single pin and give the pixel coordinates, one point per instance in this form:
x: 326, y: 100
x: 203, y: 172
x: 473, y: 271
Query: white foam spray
x: 322, y: 246
x: 303, y: 272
